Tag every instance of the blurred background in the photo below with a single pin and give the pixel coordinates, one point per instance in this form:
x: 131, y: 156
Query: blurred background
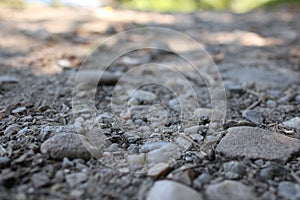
x: 161, y: 6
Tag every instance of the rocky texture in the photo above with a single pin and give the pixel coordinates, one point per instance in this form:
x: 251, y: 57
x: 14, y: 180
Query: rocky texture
x: 257, y: 143
x: 289, y: 190
x: 232, y: 190
x: 253, y: 116
x: 170, y: 190
x: 66, y: 145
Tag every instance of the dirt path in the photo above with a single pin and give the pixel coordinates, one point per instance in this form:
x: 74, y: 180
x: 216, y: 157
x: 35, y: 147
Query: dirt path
x: 153, y: 120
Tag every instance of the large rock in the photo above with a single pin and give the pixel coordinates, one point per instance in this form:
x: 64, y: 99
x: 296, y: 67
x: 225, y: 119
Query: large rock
x: 255, y: 143
x: 65, y: 145
x: 232, y: 190
x: 170, y: 190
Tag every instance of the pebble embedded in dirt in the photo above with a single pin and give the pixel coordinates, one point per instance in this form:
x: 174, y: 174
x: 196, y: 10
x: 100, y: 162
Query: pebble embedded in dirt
x: 164, y: 154
x: 232, y: 190
x: 234, y: 169
x: 76, y: 178
x: 293, y: 123
x: 204, y: 178
x: 8, y: 79
x: 4, y: 162
x: 39, y: 179
x: 2, y: 151
x: 12, y: 129
x: 142, y: 97
x: 66, y: 145
x: 252, y: 142
x: 253, y: 116
x: 272, y: 170
x: 170, y: 190
x: 19, y: 110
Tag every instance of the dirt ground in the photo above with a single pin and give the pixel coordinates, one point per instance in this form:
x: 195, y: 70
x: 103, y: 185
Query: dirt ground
x: 43, y: 105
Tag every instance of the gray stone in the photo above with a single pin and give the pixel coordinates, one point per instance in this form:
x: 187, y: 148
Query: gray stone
x: 271, y: 103
x: 197, y: 137
x: 77, y: 194
x: 9, y: 79
x: 76, y: 178
x: 65, y: 145
x: 256, y: 143
x: 170, y: 190
x: 191, y: 130
x: 297, y: 99
x: 4, y: 162
x: 271, y: 171
x: 132, y: 137
x: 234, y: 169
x: 164, y: 154
x: 2, y: 151
x: 262, y: 77
x: 158, y: 170
x: 144, y: 97
x: 202, y: 179
x: 12, y: 129
x: 133, y: 149
x: 39, y: 180
x: 105, y: 118
x: 289, y: 190
x: 67, y: 163
x: 232, y: 190
x: 293, y: 123
x: 145, y: 148
x: 253, y: 116
x: 19, y: 110
x: 234, y: 87
x: 48, y: 131
x: 136, y: 162
x: 174, y: 105
x: 184, y: 143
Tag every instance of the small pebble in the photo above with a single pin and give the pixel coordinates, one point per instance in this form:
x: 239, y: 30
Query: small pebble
x: 293, y: 123
x: 170, y: 190
x: 76, y: 178
x: 67, y: 163
x: 253, y: 116
x: 39, y: 180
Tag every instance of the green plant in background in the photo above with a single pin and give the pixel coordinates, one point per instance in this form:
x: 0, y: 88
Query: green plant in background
x: 56, y: 3
x: 12, y: 3
x: 239, y: 6
x: 163, y: 6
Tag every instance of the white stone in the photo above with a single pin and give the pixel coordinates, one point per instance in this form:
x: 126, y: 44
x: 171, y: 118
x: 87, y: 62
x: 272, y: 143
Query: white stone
x: 170, y: 190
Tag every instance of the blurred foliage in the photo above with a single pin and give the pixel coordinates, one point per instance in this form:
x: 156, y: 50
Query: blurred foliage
x: 238, y: 6
x: 12, y: 3
x: 190, y: 5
